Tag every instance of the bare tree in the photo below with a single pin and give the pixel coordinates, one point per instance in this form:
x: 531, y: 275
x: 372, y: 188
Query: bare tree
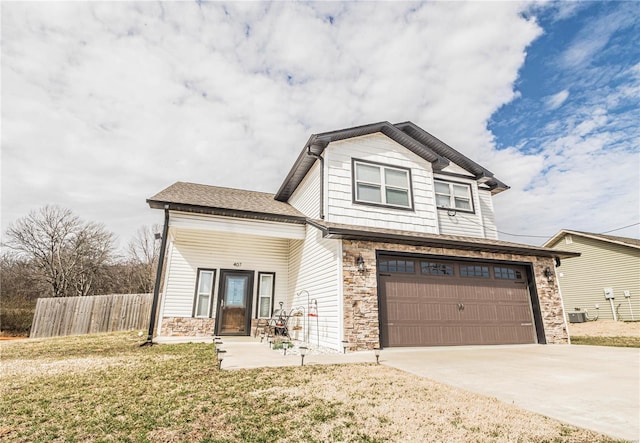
x: 66, y: 251
x: 144, y: 250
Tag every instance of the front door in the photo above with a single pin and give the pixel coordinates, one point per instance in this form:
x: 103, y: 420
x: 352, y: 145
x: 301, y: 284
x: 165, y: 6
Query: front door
x: 234, y: 303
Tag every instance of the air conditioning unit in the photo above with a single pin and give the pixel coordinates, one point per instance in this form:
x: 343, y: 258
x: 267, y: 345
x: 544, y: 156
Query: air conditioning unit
x: 577, y: 317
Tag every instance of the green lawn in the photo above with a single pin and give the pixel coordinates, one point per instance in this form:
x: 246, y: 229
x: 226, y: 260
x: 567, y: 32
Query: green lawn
x: 107, y: 388
x: 626, y: 342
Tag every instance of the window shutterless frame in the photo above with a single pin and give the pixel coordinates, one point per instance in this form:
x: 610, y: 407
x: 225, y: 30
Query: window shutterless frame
x: 266, y: 293
x: 203, y: 298
x: 454, y: 196
x: 378, y: 184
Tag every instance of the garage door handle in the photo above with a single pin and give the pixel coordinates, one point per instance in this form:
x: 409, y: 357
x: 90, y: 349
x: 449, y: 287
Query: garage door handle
x: 460, y: 306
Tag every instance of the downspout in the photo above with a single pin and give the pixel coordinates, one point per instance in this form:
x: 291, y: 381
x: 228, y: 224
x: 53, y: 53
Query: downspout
x: 156, y: 288
x: 319, y: 157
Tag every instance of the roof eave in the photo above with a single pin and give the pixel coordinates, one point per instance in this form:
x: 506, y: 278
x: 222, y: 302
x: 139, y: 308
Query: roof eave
x: 553, y: 240
x: 318, y: 142
x: 226, y: 212
x: 352, y: 234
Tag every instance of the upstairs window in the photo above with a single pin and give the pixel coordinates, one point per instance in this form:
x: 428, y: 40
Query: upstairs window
x: 451, y: 195
x: 381, y: 184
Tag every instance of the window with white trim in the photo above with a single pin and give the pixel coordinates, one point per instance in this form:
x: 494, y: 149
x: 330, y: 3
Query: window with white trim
x: 381, y: 184
x: 451, y: 195
x: 266, y: 282
x: 204, y: 293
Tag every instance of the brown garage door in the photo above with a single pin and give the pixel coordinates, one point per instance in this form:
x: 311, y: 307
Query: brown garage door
x: 426, y: 302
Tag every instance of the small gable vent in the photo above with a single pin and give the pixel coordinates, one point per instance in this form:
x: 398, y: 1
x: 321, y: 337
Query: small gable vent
x: 568, y: 239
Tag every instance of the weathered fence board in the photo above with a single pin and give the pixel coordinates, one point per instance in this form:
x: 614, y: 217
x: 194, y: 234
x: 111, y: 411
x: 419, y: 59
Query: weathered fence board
x: 91, y: 314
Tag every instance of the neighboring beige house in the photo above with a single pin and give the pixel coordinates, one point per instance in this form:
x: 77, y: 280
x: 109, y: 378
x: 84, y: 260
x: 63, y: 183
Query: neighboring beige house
x: 607, y: 265
x: 384, y: 233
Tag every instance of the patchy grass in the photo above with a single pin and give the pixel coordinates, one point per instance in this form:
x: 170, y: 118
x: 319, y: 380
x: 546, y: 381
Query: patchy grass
x: 108, y: 388
x: 626, y: 342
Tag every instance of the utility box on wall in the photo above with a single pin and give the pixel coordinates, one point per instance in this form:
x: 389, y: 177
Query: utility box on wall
x: 577, y: 317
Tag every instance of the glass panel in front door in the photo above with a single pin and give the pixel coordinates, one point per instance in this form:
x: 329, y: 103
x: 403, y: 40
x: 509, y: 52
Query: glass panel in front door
x: 234, y: 304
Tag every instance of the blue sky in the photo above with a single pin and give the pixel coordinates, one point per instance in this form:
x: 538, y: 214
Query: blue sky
x: 106, y: 103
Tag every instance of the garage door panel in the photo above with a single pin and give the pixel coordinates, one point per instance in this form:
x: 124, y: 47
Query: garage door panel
x: 430, y: 310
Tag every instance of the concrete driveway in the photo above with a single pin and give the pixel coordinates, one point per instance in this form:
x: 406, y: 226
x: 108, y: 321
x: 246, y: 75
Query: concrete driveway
x: 592, y: 387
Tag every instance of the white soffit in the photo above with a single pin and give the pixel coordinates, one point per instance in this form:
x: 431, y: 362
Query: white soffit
x: 180, y: 220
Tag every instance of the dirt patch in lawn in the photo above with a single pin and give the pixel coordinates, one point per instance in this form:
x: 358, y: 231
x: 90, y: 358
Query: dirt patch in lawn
x: 605, y: 328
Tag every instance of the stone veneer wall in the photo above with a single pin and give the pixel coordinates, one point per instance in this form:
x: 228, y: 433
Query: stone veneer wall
x: 186, y: 327
x: 192, y: 327
x: 360, y: 291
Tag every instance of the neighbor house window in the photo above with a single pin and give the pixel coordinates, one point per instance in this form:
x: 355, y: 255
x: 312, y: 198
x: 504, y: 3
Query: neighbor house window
x: 381, y: 184
x: 204, y: 293
x: 507, y: 273
x: 453, y: 195
x: 266, y: 282
x: 403, y: 266
x: 474, y: 271
x: 431, y: 268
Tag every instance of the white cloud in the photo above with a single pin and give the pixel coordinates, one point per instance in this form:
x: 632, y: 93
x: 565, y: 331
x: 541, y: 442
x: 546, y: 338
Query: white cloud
x: 554, y: 101
x: 594, y: 37
x: 105, y: 104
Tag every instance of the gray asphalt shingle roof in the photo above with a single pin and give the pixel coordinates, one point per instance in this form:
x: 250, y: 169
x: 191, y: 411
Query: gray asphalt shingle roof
x: 229, y: 199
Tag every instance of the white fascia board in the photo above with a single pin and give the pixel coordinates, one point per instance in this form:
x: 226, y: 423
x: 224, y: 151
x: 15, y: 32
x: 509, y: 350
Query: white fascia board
x: 181, y: 220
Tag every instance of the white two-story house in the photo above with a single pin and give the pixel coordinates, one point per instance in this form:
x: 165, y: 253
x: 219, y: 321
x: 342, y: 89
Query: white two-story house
x: 380, y: 235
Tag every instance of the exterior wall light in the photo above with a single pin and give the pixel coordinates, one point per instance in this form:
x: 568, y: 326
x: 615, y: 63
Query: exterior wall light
x: 303, y: 352
x: 360, y: 263
x: 549, y: 274
x: 376, y: 352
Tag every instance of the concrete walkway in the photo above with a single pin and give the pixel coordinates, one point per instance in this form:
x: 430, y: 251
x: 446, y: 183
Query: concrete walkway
x: 592, y: 387
x: 248, y: 353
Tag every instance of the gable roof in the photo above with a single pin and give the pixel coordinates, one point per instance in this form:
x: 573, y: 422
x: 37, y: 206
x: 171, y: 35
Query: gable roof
x: 407, y: 134
x: 624, y: 241
x: 353, y: 232
x: 205, y: 199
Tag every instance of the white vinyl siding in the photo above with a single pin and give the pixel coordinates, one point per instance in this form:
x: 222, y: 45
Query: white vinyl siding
x: 314, y: 267
x: 378, y: 148
x: 192, y: 249
x: 487, y: 214
x: 601, y: 265
x: 306, y: 197
x: 182, y: 220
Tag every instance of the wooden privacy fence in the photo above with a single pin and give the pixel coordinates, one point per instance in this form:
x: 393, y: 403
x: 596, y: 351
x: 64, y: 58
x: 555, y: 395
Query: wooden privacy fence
x: 91, y: 314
